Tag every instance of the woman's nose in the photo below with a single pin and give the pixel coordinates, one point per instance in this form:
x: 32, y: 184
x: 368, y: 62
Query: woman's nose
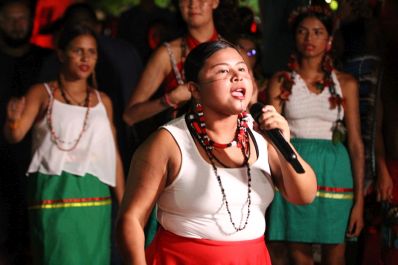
x: 237, y: 76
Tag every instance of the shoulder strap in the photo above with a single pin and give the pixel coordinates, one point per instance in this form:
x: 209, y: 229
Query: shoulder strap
x: 98, y: 95
x: 50, y: 91
x: 174, y: 64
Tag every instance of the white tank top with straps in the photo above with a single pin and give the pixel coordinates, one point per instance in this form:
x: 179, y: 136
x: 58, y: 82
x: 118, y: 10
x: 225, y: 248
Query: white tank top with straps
x: 95, y: 153
x: 192, y: 206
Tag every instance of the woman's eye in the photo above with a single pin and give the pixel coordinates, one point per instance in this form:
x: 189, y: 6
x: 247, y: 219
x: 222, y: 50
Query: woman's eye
x: 242, y: 69
x: 93, y: 52
x: 300, y: 31
x: 77, y: 51
x: 222, y: 71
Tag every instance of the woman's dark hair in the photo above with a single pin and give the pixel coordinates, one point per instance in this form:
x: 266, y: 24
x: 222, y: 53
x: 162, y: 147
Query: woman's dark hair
x: 78, y: 12
x: 72, y: 31
x: 227, y: 19
x: 322, y: 13
x: 198, y: 56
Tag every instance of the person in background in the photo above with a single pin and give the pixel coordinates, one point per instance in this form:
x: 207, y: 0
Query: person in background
x: 247, y: 40
x: 75, y: 158
x: 136, y: 24
x: 209, y: 172
x: 276, y: 41
x: 322, y: 108
x: 161, y: 92
x: 252, y: 52
x: 385, y: 251
x: 117, y: 70
x: 20, y: 62
x: 161, y: 89
x: 381, y: 242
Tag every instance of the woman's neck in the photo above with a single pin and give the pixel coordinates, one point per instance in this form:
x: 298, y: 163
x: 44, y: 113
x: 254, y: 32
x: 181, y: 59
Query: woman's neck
x: 221, y: 129
x: 310, y: 68
x: 72, y: 84
x: 203, y: 33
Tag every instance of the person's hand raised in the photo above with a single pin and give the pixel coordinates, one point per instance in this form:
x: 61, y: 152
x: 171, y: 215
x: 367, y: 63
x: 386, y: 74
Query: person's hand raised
x: 15, y: 108
x: 180, y: 95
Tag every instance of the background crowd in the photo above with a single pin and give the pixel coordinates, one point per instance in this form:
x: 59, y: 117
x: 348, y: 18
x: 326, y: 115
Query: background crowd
x: 139, y: 69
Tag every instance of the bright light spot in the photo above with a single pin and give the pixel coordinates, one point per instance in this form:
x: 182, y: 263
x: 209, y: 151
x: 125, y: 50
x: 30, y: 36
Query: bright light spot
x: 328, y: 1
x: 334, y: 5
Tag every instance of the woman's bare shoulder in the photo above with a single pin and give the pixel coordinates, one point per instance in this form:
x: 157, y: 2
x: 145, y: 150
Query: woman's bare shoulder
x: 39, y: 91
x: 159, y: 141
x: 346, y: 79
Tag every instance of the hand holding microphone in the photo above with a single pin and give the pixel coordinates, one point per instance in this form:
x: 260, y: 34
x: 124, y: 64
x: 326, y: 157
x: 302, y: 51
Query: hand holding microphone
x: 277, y: 139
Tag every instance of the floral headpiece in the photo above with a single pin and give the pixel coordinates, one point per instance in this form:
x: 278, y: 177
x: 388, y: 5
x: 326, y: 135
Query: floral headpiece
x: 315, y: 9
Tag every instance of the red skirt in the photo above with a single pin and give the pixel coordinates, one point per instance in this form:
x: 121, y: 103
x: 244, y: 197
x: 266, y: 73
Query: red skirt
x: 392, y: 166
x: 170, y: 249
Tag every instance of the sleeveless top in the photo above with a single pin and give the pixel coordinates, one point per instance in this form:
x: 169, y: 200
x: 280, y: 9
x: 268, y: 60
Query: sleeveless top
x: 94, y: 154
x: 309, y: 114
x: 176, y: 76
x: 192, y: 205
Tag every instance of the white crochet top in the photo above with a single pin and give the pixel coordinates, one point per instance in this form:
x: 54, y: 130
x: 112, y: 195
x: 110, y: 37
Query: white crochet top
x: 309, y: 114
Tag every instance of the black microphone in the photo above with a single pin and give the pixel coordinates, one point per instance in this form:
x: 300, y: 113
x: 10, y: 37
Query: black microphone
x: 275, y: 135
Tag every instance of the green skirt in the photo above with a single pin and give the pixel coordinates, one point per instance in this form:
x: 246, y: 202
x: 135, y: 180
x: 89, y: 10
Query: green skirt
x: 325, y: 220
x: 69, y: 219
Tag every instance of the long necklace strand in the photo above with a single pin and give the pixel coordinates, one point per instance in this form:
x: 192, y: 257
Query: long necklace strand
x: 199, y: 132
x: 55, y: 138
x: 64, y: 94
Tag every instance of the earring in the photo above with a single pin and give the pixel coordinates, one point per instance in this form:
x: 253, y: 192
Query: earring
x: 94, y: 80
x: 199, y: 109
x: 329, y: 46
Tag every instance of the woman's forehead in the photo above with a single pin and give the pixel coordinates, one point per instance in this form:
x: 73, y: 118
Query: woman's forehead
x: 227, y: 55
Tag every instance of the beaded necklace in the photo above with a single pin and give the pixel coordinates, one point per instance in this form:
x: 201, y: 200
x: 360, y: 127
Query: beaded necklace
x: 54, y: 137
x: 65, y: 93
x: 197, y: 127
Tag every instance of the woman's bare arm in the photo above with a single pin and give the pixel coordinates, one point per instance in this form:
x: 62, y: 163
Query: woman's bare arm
x: 350, y: 91
x: 154, y: 163
x: 140, y: 105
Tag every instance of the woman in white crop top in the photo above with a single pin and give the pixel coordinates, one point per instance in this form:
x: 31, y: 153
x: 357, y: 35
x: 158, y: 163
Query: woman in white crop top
x: 75, y: 158
x: 318, y: 103
x: 209, y: 173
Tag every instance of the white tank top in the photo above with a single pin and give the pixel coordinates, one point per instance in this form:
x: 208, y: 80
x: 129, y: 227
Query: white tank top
x: 309, y: 114
x: 192, y: 205
x: 95, y: 153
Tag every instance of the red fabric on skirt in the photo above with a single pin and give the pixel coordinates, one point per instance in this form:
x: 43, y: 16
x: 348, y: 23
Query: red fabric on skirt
x: 392, y: 166
x: 170, y: 249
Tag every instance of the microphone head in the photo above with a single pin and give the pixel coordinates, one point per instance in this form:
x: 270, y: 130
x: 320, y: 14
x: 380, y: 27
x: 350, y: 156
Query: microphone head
x: 256, y: 110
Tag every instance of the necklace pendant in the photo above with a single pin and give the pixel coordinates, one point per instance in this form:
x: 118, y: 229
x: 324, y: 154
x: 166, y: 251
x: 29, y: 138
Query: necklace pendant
x: 319, y: 86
